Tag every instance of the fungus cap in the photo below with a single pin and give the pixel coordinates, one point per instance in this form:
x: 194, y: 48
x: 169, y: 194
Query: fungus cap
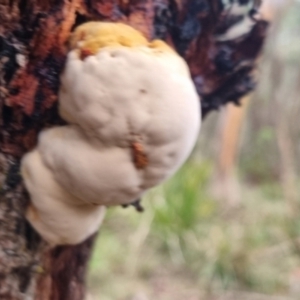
x: 134, y: 118
x: 54, y: 213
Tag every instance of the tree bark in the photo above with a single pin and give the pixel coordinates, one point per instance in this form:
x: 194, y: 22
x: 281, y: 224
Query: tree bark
x: 33, y: 47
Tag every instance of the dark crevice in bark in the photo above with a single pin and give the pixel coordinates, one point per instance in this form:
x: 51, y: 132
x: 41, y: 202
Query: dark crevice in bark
x: 162, y: 20
x: 9, y: 51
x: 13, y: 177
x: 186, y: 24
x: 80, y: 19
x: 24, y: 279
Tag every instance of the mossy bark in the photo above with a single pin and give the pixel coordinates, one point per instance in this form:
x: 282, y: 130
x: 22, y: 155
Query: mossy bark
x: 33, y: 47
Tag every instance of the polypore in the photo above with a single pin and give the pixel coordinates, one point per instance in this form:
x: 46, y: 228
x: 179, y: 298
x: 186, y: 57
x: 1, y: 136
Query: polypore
x: 133, y: 115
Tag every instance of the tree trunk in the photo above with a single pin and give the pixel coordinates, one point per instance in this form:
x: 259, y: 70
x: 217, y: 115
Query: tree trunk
x: 33, y: 46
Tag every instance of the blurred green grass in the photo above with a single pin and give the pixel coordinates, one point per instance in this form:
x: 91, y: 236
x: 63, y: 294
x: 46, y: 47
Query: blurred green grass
x: 192, y: 239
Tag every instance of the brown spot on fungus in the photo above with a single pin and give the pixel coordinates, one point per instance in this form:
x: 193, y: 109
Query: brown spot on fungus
x: 84, y: 53
x: 140, y: 158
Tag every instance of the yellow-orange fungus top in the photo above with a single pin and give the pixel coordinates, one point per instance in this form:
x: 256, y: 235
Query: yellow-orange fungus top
x: 92, y: 36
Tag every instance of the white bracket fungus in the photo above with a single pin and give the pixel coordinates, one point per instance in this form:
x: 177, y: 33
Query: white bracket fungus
x: 134, y: 117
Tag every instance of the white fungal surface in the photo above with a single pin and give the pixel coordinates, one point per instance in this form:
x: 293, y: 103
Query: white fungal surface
x: 134, y: 118
x: 57, y: 215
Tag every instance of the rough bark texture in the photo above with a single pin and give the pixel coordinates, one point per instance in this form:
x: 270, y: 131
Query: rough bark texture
x: 33, y: 46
